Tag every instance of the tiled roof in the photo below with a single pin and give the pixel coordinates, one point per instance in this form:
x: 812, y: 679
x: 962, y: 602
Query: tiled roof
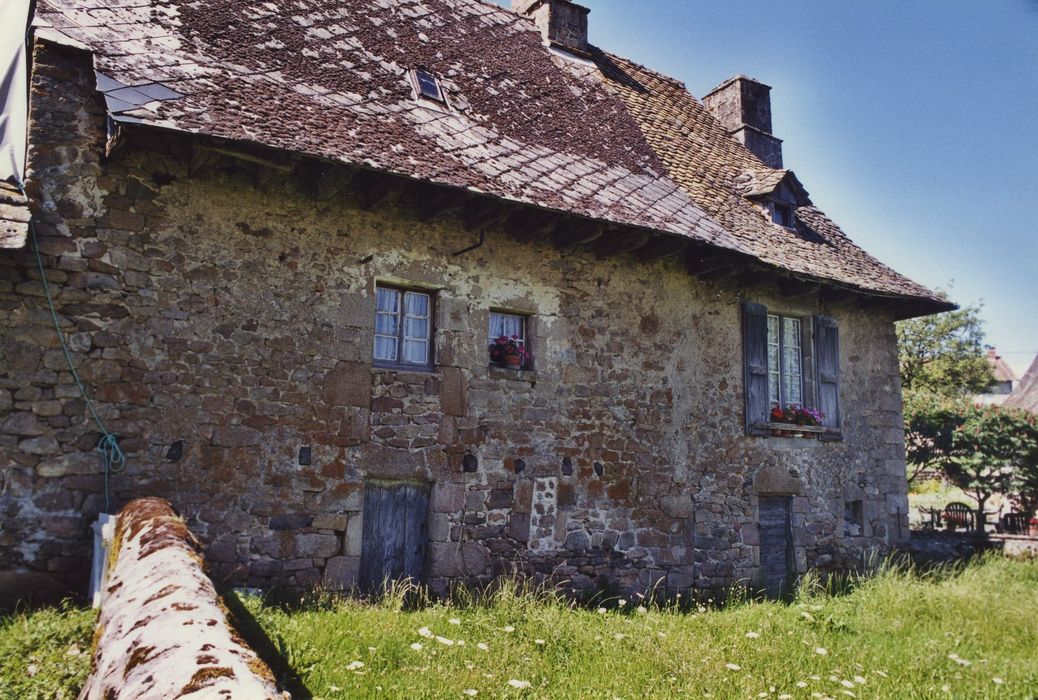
x: 720, y: 173
x: 1025, y: 395
x: 329, y: 78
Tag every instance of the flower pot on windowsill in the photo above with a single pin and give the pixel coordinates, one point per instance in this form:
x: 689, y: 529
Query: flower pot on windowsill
x: 775, y: 432
x: 513, y: 362
x: 808, y: 436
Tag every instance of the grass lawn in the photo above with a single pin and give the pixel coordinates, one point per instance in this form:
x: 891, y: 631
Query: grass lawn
x: 970, y: 634
x: 45, y: 654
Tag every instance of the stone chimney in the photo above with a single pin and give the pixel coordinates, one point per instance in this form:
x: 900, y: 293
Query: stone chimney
x: 743, y: 106
x: 562, y: 23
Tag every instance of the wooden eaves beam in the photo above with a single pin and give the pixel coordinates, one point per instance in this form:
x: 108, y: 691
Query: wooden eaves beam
x: 576, y: 232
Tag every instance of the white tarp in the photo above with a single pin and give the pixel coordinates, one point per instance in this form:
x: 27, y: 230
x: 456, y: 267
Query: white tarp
x: 14, y: 16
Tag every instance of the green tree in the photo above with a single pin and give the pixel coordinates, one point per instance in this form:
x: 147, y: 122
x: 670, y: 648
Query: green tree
x: 981, y: 449
x: 944, y: 354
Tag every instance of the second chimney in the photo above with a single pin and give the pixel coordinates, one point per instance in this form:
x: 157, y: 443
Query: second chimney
x: 562, y: 23
x: 743, y: 106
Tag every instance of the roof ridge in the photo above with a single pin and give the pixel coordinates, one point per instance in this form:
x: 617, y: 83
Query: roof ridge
x: 662, y: 76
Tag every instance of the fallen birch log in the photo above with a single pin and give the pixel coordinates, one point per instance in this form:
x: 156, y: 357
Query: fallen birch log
x: 162, y: 632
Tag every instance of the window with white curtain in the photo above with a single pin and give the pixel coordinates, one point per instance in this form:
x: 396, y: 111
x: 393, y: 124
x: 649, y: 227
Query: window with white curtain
x: 508, y: 325
x: 785, y: 361
x: 403, y: 326
x: 511, y: 326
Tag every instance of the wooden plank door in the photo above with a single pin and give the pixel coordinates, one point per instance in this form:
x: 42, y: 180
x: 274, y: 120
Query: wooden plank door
x: 394, y: 536
x: 776, y: 545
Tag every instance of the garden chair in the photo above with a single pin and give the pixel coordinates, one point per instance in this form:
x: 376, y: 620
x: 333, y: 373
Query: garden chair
x: 958, y: 514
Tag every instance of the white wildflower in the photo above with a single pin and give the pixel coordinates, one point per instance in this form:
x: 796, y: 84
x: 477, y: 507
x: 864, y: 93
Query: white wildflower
x: 785, y: 696
x: 860, y: 680
x: 519, y: 685
x: 821, y: 651
x: 454, y: 621
x: 847, y: 684
x: 622, y: 602
x: 997, y: 681
x: 801, y: 684
x: 732, y: 667
x: 471, y: 692
x: 417, y: 646
x: 602, y: 611
x: 444, y: 641
x: 538, y: 641
x: 641, y: 609
x: 482, y: 647
x: 354, y: 665
x: 508, y: 628
x: 619, y: 635
x: 881, y: 673
x: 752, y: 635
x: 425, y: 632
x: 959, y: 660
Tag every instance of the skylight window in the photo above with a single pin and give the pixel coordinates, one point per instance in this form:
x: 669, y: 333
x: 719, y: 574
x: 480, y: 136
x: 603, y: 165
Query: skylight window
x: 427, y: 85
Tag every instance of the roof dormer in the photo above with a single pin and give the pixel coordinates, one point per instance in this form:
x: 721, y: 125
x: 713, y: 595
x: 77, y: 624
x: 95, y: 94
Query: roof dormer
x: 777, y: 192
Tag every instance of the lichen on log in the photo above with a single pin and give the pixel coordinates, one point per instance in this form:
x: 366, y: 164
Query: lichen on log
x: 163, y: 632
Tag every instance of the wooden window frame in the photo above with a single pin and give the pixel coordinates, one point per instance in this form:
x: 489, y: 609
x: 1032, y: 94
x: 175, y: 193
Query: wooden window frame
x: 527, y: 326
x: 784, y: 214
x: 441, y: 102
x: 820, y: 371
x: 806, y: 385
x: 398, y: 364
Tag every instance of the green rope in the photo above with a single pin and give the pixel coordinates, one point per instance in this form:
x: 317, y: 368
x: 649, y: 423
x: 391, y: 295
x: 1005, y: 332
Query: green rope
x: 108, y: 446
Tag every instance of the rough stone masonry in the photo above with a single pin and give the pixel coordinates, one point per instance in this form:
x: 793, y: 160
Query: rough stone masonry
x: 223, y: 324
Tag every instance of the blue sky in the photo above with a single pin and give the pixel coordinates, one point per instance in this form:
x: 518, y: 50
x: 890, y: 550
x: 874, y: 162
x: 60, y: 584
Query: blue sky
x: 912, y: 123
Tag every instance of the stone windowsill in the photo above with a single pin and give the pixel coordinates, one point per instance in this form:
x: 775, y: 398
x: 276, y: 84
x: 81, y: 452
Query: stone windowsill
x: 520, y: 375
x: 405, y: 369
x: 818, y: 430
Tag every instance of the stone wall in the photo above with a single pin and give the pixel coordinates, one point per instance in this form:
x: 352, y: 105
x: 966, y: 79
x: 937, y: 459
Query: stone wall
x: 223, y: 324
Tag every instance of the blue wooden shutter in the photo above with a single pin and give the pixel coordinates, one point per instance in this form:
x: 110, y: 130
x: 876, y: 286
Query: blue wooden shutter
x: 827, y: 364
x: 755, y: 366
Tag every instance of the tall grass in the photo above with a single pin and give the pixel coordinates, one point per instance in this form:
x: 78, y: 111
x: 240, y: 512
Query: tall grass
x: 966, y: 631
x: 957, y: 632
x: 45, y: 654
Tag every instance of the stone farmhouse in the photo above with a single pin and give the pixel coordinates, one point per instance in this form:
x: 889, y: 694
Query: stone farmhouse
x: 282, y: 239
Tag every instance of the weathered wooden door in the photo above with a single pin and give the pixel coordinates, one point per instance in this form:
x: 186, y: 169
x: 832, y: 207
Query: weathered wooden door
x: 776, y: 545
x: 395, y: 532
